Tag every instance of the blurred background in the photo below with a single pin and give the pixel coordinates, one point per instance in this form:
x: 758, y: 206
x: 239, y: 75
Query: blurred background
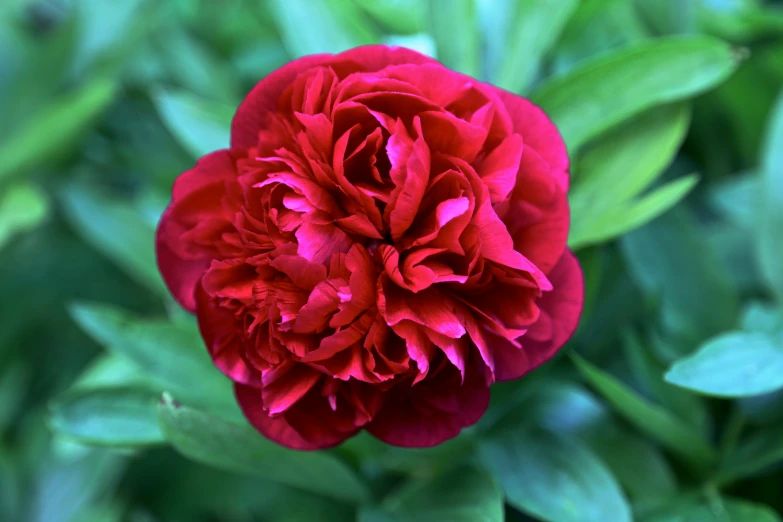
x: 103, y: 103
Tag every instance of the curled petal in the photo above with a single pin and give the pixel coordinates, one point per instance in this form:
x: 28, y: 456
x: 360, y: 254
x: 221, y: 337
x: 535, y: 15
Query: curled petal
x: 263, y: 99
x: 560, y: 312
x: 218, y: 327
x: 538, y: 132
x: 317, y: 426
x: 427, y: 414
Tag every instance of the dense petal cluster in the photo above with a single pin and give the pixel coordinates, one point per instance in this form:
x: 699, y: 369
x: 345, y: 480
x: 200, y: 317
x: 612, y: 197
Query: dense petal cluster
x: 383, y: 240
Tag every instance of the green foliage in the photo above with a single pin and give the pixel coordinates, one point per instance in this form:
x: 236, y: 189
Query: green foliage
x: 166, y: 353
x: 453, y: 26
x: 670, y: 405
x: 606, y: 90
x: 770, y: 250
x: 22, y: 207
x: 61, y: 121
x: 117, y: 230
x: 237, y: 447
x: 462, y: 494
x: 734, y: 364
x: 554, y: 478
x: 656, y: 422
x: 534, y: 29
x: 108, y: 416
x: 200, y: 126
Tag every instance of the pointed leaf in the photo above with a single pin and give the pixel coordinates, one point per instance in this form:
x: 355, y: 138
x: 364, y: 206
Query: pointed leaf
x: 462, y: 494
x: 653, y: 420
x: 61, y: 122
x: 22, y: 207
x: 621, y: 164
x: 320, y: 27
x: 724, y: 510
x: 670, y: 259
x: 554, y: 478
x: 612, y: 87
x: 239, y: 447
x: 734, y: 364
x: 201, y: 126
x: 172, y: 355
x: 108, y: 416
x: 770, y: 223
x: 595, y: 227
x: 117, y: 230
x: 535, y: 28
x: 454, y: 26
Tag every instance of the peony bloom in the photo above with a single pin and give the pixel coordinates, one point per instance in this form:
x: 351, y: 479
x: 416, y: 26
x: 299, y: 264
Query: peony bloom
x: 383, y: 240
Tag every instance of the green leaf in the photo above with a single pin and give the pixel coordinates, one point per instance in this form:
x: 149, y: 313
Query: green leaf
x: 462, y: 494
x: 423, y: 461
x: 570, y: 410
x: 104, y: 27
x: 535, y: 29
x: 624, y: 162
x: 757, y: 452
x: 734, y: 364
x: 117, y: 230
x: 770, y: 223
x: 554, y: 478
x: 740, y: 20
x: 14, y: 382
x: 653, y: 420
x: 763, y: 409
x: 63, y: 489
x: 123, y: 417
x: 613, y: 87
x: 670, y: 259
x: 759, y: 317
x: 454, y: 26
x: 613, y: 222
x: 421, y: 43
x: 320, y: 27
x: 61, y: 121
x: 736, y: 199
x: 106, y: 371
x: 47, y: 56
x: 400, y: 16
x: 172, y: 355
x: 595, y: 28
x: 199, y: 125
x: 669, y: 16
x: 196, y: 66
x: 725, y: 510
x: 649, y: 374
x: 22, y: 207
x: 239, y: 447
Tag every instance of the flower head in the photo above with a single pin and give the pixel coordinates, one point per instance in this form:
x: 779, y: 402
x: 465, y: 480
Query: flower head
x: 383, y: 240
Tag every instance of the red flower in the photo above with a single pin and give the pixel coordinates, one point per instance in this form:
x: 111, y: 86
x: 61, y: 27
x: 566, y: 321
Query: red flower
x: 383, y: 240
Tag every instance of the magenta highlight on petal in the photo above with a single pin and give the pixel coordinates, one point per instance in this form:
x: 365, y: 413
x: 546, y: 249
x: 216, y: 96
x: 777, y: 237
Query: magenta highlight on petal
x: 384, y: 239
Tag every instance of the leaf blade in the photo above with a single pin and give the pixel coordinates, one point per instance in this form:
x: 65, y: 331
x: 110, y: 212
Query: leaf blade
x: 610, y: 88
x: 122, y: 416
x: 238, y: 447
x: 648, y: 418
x: 731, y: 365
x: 554, y: 478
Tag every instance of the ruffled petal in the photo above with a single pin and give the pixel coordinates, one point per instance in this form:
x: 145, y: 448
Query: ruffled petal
x: 181, y: 275
x: 197, y: 199
x: 537, y: 131
x: 263, y: 99
x: 427, y: 414
x: 560, y: 312
x: 218, y: 328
